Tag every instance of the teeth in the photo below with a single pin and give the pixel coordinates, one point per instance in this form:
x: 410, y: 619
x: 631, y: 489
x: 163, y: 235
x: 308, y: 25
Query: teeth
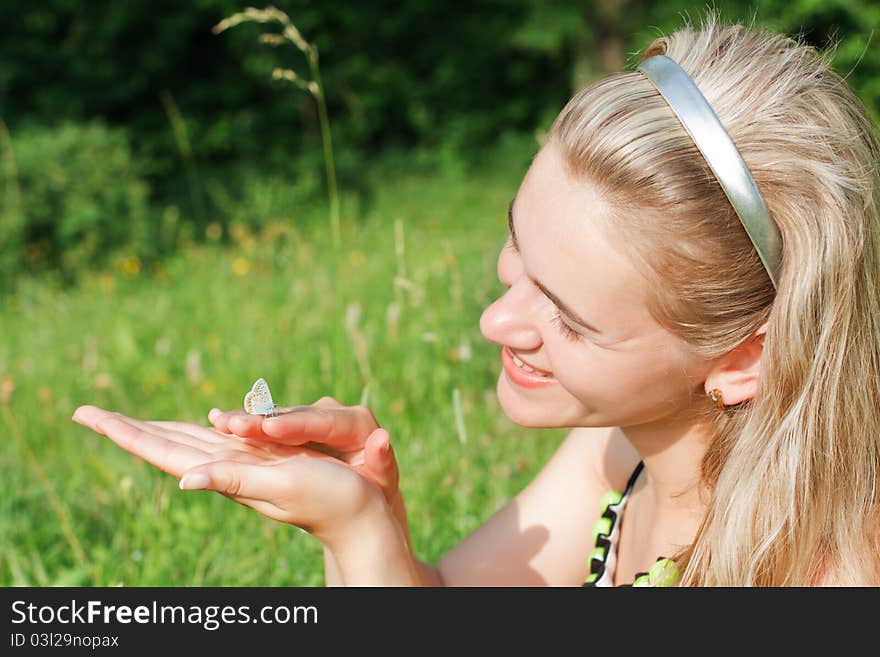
x: 521, y: 364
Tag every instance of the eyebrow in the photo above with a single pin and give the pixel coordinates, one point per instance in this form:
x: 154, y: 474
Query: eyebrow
x: 555, y: 299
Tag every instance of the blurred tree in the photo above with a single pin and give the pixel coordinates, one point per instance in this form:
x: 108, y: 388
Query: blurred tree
x: 853, y: 25
x: 444, y: 77
x: 589, y: 36
x: 400, y: 72
x: 397, y: 73
x: 79, y: 198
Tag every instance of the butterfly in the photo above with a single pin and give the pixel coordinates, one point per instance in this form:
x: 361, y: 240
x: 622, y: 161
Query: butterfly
x: 259, y: 400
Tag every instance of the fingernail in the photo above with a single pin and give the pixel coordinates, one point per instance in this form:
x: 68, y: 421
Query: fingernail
x: 386, y: 449
x: 213, y: 413
x: 272, y: 427
x: 195, y: 481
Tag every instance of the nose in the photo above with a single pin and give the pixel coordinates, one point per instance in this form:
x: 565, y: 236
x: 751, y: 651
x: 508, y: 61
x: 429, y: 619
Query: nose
x: 510, y: 319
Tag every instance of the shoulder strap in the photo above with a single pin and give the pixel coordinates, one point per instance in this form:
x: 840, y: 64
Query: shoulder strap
x: 633, y: 477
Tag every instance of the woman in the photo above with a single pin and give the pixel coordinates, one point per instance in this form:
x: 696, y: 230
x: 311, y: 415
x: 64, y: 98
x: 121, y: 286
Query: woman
x: 693, y: 275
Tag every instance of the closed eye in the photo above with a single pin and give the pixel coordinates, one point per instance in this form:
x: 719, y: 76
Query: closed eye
x: 566, y: 331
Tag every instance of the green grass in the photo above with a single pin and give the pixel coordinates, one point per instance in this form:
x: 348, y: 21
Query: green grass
x: 172, y: 343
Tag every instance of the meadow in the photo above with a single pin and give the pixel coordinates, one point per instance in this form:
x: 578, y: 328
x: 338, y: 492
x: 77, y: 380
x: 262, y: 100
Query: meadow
x: 394, y: 323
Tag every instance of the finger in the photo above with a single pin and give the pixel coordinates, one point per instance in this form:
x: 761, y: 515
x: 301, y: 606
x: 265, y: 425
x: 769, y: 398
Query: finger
x: 328, y: 402
x: 92, y: 416
x: 192, y: 435
x: 167, y: 455
x: 89, y: 416
x: 184, y: 435
x: 220, y: 419
x: 323, y: 402
x: 246, y: 425
x: 204, y: 433
x: 239, y: 422
x: 341, y: 428
x: 380, y: 462
x: 318, y: 447
x: 261, y: 506
x: 209, y: 440
x: 240, y: 479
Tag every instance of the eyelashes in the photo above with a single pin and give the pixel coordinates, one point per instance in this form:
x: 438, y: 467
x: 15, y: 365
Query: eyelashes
x: 567, y: 332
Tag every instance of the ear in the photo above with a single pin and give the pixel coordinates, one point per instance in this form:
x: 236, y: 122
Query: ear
x: 736, y: 373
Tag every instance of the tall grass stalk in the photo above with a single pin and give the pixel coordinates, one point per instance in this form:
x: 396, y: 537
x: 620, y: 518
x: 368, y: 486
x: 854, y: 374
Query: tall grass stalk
x: 181, y: 138
x: 458, y: 411
x: 400, y: 279
x: 290, y: 34
x: 10, y: 174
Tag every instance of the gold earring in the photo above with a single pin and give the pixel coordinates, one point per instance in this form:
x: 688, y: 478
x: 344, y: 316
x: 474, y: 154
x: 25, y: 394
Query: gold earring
x: 715, y: 396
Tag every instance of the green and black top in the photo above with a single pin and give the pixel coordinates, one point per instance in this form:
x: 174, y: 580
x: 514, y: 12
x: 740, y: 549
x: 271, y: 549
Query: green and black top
x: 606, y: 533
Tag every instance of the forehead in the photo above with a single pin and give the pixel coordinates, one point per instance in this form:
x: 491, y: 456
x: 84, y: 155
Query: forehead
x: 569, y: 203
x: 561, y: 223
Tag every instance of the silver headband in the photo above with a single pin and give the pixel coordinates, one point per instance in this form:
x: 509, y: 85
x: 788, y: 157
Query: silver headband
x: 722, y: 156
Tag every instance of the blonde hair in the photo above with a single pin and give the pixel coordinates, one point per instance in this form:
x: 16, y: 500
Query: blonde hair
x: 794, y: 471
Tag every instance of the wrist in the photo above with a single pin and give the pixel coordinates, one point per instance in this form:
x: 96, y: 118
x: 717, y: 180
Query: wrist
x: 398, y: 509
x: 373, y: 551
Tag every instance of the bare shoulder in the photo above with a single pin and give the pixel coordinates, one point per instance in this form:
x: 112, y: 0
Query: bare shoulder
x: 544, y: 535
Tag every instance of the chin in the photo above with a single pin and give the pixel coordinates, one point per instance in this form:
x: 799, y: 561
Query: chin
x: 529, y: 414
x: 528, y: 423
x: 556, y: 413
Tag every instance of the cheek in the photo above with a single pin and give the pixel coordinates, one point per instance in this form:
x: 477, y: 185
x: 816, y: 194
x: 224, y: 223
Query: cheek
x: 623, y: 387
x: 579, y: 367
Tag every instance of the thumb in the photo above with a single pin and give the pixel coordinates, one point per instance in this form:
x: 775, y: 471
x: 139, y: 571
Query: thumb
x: 232, y: 478
x: 380, y: 462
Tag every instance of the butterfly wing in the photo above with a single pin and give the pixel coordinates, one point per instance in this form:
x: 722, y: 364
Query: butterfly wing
x: 259, y: 400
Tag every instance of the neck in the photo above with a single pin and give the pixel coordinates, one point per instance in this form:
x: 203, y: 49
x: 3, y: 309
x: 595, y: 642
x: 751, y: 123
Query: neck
x: 672, y: 451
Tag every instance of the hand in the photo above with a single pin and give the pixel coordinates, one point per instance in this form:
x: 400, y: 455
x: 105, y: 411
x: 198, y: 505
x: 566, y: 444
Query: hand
x: 293, y: 484
x: 349, y: 433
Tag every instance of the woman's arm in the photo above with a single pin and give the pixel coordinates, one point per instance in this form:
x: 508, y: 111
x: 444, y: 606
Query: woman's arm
x: 426, y: 575
x: 332, y: 574
x: 544, y: 535
x: 541, y: 537
x: 374, y: 552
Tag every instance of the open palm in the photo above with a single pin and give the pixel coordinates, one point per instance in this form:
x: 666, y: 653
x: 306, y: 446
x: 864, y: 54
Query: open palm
x: 290, y: 483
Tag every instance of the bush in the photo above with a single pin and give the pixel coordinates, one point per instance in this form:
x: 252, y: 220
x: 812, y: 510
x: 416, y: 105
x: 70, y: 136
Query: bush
x: 77, y: 197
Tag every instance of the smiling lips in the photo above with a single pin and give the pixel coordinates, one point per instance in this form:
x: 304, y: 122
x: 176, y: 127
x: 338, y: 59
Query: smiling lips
x: 528, y: 368
x: 520, y: 376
